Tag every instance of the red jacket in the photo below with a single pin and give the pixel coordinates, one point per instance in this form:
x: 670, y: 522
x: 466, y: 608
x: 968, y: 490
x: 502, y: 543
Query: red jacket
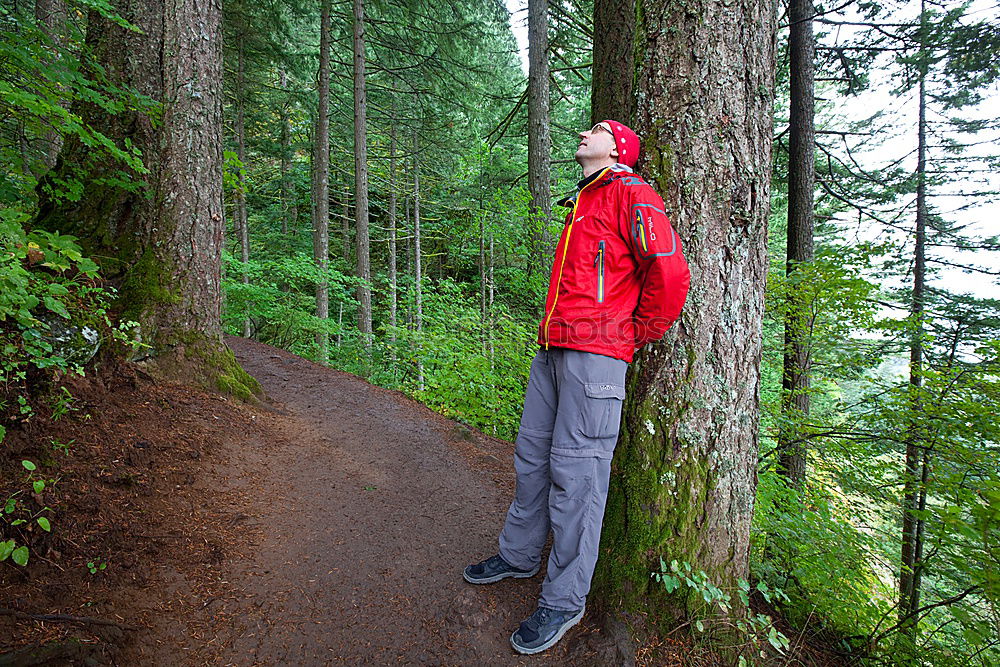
x: 619, y: 278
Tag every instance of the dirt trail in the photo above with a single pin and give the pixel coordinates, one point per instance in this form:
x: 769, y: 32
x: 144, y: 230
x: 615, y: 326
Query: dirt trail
x: 361, y: 508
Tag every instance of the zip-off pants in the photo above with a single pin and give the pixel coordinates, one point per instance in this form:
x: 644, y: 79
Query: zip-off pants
x: 569, y: 428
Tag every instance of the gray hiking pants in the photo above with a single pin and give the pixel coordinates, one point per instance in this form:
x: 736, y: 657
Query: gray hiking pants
x: 569, y: 427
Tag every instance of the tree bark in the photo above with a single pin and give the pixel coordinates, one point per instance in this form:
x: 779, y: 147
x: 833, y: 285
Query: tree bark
x: 52, y: 16
x: 614, y: 73
x: 684, y: 473
x: 361, y: 177
x: 417, y: 277
x: 910, y: 547
x: 287, y: 208
x: 321, y: 180
x: 799, y: 248
x: 539, y: 141
x: 241, y: 197
x: 161, y: 246
x: 393, y: 301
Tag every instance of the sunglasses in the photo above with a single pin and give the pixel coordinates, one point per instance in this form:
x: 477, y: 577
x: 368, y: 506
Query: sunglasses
x: 601, y: 127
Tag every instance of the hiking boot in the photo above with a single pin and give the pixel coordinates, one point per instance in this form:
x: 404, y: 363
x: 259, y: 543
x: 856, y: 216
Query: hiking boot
x: 543, y: 629
x: 494, y: 569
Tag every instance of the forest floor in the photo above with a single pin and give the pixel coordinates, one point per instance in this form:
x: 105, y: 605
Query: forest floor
x: 328, y: 525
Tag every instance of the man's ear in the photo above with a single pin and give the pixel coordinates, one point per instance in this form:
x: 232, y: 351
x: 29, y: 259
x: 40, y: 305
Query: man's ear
x: 614, y: 152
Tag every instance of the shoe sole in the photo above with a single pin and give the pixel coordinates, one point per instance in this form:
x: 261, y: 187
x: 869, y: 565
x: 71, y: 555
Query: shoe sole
x: 559, y: 635
x: 505, y: 575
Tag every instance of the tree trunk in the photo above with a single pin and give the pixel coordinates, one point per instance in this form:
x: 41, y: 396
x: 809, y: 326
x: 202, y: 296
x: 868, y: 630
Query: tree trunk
x: 392, y: 233
x: 801, y: 184
x: 614, y: 73
x: 417, y: 277
x: 539, y: 142
x: 162, y: 246
x: 287, y: 208
x: 909, y: 590
x: 321, y: 181
x: 241, y: 197
x: 52, y: 17
x: 684, y: 474
x: 361, y: 177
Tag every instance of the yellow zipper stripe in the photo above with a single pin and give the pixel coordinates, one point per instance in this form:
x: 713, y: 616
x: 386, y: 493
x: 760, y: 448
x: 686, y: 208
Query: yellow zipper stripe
x: 569, y: 232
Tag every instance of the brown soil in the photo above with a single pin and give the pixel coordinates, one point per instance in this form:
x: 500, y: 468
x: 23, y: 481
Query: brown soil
x: 328, y: 526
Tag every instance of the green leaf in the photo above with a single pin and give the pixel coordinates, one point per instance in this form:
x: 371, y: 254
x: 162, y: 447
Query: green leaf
x: 20, y: 556
x: 6, y: 549
x: 28, y: 465
x: 700, y: 626
x: 56, y: 306
x: 10, y: 506
x: 44, y: 523
x: 38, y: 485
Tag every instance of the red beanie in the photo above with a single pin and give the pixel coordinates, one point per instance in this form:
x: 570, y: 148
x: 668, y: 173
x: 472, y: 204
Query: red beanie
x: 626, y: 142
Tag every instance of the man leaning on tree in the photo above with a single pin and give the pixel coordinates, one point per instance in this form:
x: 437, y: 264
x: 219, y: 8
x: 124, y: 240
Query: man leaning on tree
x: 619, y: 281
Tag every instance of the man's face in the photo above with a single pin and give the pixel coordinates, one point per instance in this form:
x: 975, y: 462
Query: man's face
x: 597, y: 144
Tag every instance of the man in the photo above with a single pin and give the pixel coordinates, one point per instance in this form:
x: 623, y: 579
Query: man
x: 619, y: 281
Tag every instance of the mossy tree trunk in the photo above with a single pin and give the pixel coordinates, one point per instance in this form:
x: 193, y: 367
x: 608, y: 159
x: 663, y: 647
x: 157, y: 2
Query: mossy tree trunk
x: 160, y: 245
x: 684, y: 474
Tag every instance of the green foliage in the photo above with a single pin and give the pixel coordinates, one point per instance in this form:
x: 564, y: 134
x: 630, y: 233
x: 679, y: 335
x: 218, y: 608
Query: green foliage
x: 723, y: 616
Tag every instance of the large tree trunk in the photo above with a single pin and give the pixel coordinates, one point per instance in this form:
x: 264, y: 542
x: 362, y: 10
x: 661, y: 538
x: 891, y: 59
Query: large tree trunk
x: 684, y: 474
x: 539, y: 141
x: 321, y: 179
x: 799, y: 248
x: 162, y: 246
x: 361, y: 176
x: 613, y: 74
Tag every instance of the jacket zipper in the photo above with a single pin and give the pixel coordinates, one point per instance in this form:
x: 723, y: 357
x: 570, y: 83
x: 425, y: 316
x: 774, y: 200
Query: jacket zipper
x: 569, y: 232
x: 599, y: 263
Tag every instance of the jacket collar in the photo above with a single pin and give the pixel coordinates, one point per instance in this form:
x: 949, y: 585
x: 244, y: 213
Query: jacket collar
x: 601, y: 177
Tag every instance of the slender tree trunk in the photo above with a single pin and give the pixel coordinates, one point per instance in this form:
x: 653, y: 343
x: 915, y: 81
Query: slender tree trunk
x: 162, y: 246
x: 684, y: 474
x: 287, y: 209
x: 241, y: 197
x: 417, y: 277
x: 909, y: 591
x: 801, y: 185
x: 361, y: 177
x: 52, y: 15
x: 614, y: 74
x: 539, y: 142
x: 345, y: 225
x: 321, y: 176
x: 392, y: 234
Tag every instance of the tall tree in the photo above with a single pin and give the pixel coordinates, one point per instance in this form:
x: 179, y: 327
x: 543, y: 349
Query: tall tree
x: 799, y: 246
x: 685, y: 468
x: 539, y: 142
x: 161, y: 244
x: 239, y: 129
x: 321, y: 179
x: 361, y: 176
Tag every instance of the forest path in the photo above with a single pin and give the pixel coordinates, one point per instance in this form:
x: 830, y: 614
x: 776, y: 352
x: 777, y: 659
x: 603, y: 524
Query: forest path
x: 367, y: 506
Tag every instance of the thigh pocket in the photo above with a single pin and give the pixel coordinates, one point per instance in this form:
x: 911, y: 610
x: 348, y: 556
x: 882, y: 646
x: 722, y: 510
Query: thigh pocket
x: 602, y: 410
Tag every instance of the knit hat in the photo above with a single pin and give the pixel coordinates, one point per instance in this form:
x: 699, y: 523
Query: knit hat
x: 626, y: 142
